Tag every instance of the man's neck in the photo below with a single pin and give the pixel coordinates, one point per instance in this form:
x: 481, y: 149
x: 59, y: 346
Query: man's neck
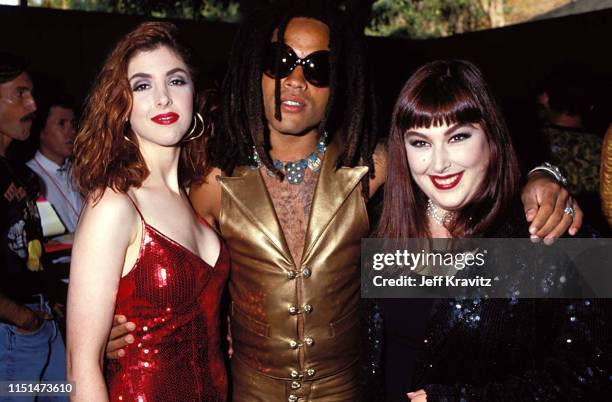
x: 53, y: 157
x: 287, y: 147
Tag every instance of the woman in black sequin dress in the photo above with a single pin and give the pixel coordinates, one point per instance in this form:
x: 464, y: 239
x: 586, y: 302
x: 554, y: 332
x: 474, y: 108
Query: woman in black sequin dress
x: 451, y: 157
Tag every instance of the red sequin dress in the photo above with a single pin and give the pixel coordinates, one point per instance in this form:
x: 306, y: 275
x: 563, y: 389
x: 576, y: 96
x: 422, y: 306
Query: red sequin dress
x: 173, y: 297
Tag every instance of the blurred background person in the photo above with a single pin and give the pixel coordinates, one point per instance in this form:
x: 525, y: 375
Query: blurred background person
x: 56, y: 120
x: 31, y: 348
x: 606, y: 177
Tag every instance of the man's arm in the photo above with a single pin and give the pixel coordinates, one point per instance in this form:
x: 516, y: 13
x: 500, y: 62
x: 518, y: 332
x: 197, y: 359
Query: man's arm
x: 544, y: 202
x: 380, y: 168
x: 23, y: 318
x: 206, y: 197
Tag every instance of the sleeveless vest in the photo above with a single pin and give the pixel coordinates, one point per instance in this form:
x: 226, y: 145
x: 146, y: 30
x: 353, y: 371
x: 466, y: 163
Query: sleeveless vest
x: 295, y: 320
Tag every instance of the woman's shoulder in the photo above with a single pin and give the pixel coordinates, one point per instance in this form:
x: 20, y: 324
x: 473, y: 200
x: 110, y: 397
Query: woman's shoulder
x: 109, y: 208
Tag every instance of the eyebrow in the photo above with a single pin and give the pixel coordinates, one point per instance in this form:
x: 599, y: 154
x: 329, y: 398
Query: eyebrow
x: 449, y: 131
x: 170, y: 72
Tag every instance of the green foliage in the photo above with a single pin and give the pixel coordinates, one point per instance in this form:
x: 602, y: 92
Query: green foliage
x: 215, y: 10
x: 426, y: 18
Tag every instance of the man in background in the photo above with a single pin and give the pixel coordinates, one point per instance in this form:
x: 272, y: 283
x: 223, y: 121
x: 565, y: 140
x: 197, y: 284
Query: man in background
x: 31, y: 348
x: 57, y: 122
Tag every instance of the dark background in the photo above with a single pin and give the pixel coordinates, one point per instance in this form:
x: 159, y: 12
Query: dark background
x: 67, y: 48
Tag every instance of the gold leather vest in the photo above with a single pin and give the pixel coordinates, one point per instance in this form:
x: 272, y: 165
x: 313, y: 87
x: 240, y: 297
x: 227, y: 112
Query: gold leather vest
x: 606, y: 176
x: 295, y: 321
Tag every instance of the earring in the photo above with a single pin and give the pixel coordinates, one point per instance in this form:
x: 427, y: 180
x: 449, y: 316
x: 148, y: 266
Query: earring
x: 188, y: 137
x: 125, y: 137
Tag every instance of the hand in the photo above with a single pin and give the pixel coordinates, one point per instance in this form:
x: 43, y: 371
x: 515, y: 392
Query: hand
x: 417, y: 396
x: 58, y: 311
x: 118, y: 338
x: 544, y: 201
x: 34, y: 321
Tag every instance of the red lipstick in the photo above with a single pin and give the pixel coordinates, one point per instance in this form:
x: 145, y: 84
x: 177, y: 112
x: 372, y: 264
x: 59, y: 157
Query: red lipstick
x: 166, y: 118
x: 446, y: 182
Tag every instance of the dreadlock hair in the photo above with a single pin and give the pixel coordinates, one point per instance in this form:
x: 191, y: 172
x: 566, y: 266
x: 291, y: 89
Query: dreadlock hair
x: 351, y: 107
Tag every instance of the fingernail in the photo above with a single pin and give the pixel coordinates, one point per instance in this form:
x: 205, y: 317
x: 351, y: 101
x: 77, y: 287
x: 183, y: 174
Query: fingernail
x: 121, y: 319
x: 129, y: 339
x: 533, y: 230
x: 121, y: 352
x: 529, y: 214
x: 573, y: 231
x: 534, y: 239
x: 549, y: 240
x: 131, y: 326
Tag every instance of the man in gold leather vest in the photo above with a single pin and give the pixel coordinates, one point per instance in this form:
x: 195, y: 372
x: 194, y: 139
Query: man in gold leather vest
x: 294, y: 322
x: 295, y: 242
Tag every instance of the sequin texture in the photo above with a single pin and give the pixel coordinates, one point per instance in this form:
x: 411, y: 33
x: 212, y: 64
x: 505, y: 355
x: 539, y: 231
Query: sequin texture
x: 173, y: 297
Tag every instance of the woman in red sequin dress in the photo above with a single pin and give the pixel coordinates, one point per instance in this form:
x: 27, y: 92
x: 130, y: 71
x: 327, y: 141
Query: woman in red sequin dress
x: 140, y: 250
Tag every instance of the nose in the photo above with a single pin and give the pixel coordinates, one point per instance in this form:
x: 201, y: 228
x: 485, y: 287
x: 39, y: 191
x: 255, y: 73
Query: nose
x: 29, y: 103
x: 162, y: 97
x: 72, y: 128
x: 441, y: 161
x: 296, y: 79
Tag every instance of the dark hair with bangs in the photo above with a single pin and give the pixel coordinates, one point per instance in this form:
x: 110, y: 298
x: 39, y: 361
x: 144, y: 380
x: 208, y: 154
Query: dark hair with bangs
x: 447, y: 92
x: 351, y: 107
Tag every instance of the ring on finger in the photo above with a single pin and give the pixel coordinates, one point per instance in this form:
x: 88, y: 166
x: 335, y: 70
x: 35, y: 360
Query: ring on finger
x: 569, y: 211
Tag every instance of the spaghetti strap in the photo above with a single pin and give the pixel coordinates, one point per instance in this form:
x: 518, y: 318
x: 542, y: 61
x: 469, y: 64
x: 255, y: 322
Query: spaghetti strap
x: 136, y: 206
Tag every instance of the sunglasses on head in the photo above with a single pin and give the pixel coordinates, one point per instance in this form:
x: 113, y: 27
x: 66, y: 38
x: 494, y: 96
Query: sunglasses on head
x: 315, y: 66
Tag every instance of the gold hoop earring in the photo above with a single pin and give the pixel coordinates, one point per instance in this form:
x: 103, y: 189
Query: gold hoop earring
x: 125, y: 137
x: 187, y: 138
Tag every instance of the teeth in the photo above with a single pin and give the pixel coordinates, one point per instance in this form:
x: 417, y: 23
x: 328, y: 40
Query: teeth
x: 446, y: 181
x: 291, y: 103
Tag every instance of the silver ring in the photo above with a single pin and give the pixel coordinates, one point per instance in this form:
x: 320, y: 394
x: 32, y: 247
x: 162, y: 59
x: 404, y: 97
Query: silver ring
x: 569, y: 211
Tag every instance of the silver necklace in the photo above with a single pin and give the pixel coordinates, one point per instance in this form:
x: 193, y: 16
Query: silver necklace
x: 294, y: 170
x: 439, y: 216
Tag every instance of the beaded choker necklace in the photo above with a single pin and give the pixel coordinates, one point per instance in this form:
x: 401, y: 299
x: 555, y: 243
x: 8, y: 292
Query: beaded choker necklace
x: 294, y: 170
x: 439, y: 216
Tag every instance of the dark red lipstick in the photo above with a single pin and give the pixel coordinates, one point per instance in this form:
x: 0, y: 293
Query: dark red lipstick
x: 446, y: 182
x: 166, y: 118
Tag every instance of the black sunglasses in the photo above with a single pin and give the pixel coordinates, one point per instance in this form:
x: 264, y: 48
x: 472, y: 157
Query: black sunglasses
x: 315, y: 66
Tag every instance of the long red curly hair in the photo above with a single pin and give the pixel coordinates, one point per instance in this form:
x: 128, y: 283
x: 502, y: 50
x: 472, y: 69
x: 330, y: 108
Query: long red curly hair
x: 106, y: 154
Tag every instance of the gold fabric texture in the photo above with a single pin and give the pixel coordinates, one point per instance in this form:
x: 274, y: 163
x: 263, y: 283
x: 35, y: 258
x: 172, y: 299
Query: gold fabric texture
x: 606, y: 176
x: 295, y: 321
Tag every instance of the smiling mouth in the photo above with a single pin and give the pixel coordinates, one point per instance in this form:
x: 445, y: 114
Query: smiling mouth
x: 292, y: 105
x: 165, y: 119
x: 446, y: 182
